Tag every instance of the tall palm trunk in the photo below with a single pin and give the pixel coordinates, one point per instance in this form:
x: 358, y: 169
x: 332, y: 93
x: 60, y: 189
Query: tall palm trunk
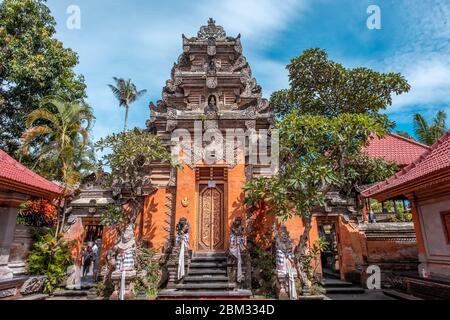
x: 126, y: 117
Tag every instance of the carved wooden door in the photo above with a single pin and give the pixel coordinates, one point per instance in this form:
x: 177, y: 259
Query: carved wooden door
x: 211, y: 218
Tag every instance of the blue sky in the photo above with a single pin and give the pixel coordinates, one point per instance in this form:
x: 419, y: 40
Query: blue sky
x: 141, y: 39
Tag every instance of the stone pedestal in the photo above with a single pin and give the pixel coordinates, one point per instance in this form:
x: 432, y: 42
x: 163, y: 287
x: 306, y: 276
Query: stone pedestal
x: 8, y: 217
x: 282, y: 286
x: 116, y: 277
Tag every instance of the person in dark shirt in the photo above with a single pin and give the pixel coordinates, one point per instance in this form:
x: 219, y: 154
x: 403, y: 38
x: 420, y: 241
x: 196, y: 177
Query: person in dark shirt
x: 88, y: 256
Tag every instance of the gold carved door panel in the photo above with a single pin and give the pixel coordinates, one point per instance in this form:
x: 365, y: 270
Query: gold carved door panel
x: 211, y: 218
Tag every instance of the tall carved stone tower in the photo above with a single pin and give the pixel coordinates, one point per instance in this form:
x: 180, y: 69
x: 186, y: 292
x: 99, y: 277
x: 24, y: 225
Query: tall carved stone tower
x: 211, y: 83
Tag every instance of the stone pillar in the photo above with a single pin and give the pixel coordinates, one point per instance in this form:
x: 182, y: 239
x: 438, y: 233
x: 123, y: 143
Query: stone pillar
x: 8, y: 217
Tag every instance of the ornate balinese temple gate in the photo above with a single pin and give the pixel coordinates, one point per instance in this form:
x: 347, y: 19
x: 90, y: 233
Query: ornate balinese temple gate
x: 211, y: 87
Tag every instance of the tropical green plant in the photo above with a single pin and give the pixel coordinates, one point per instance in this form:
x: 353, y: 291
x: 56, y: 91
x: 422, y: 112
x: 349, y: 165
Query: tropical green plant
x: 317, y: 155
x: 365, y: 170
x: 129, y: 155
x: 148, y: 271
x: 126, y: 92
x: 114, y: 217
x: 104, y: 289
x: 320, y: 86
x: 429, y: 133
x: 34, y: 64
x: 50, y: 256
x: 309, y: 258
x: 403, y: 216
x: 37, y: 213
x: 264, y: 266
x: 61, y: 130
x: 310, y: 265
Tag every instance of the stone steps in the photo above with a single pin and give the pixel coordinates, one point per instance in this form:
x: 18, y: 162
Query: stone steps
x: 206, y: 278
x: 35, y: 297
x: 196, y: 259
x: 207, y: 265
x: 181, y: 294
x: 210, y: 254
x: 206, y: 286
x: 207, y: 271
x: 345, y: 290
x: 73, y: 294
x: 334, y: 283
x: 329, y: 274
x: 337, y: 286
x: 70, y: 293
x: 399, y: 295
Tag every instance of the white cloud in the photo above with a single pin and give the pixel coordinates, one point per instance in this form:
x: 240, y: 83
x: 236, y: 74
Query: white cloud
x: 424, y: 56
x: 271, y: 75
x: 430, y: 83
x: 257, y: 20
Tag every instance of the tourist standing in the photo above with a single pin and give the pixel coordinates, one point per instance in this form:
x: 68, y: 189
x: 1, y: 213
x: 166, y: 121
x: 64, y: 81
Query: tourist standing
x: 88, y: 257
x: 95, y: 251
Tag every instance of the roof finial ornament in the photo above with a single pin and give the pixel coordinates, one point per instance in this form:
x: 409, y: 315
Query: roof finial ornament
x: 211, y: 22
x: 211, y: 31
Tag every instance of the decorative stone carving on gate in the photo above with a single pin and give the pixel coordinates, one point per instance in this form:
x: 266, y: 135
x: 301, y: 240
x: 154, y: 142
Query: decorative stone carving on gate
x: 211, y: 64
x: 211, y: 82
x: 211, y: 50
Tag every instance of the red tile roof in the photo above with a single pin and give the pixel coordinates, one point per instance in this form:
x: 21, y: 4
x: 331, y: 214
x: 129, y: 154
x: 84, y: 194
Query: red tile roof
x: 395, y: 148
x: 433, y: 164
x: 17, y: 177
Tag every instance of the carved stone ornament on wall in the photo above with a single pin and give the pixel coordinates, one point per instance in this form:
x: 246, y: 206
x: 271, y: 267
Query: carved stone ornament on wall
x: 249, y: 113
x: 211, y: 82
x: 185, y: 202
x: 171, y: 125
x: 211, y: 50
x: 171, y: 114
x: 250, y: 124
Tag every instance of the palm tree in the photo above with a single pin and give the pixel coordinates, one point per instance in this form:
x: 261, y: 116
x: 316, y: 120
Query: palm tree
x: 60, y: 130
x: 405, y: 134
x: 126, y: 93
x: 430, y: 133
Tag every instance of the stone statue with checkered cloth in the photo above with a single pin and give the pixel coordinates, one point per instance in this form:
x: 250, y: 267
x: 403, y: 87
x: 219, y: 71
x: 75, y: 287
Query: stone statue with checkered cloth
x: 124, y: 272
x: 285, y: 261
